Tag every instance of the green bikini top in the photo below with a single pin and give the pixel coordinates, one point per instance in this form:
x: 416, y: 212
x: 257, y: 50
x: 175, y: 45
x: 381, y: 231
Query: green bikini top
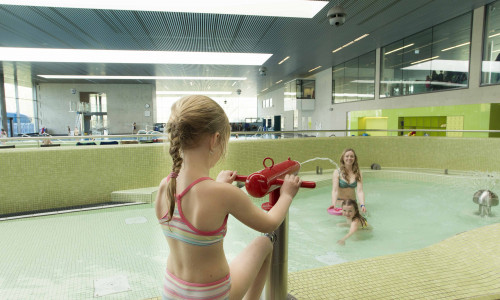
x: 343, y: 184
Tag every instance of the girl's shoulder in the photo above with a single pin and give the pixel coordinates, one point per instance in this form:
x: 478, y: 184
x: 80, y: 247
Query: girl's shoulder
x: 362, y: 223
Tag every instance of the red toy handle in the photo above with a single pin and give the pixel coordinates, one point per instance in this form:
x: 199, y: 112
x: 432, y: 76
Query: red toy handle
x: 305, y: 184
x: 241, y: 178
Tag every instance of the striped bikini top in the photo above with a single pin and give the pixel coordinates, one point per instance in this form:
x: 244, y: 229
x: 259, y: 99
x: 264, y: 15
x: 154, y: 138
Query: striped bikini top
x: 180, y: 229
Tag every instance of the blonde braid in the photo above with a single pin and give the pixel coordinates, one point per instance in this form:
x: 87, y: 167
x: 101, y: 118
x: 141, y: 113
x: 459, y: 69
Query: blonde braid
x: 175, y: 153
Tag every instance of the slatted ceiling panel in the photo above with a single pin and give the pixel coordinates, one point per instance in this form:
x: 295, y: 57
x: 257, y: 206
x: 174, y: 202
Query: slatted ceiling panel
x: 308, y: 41
x: 104, y: 27
x: 10, y: 33
x: 23, y: 21
x: 45, y: 23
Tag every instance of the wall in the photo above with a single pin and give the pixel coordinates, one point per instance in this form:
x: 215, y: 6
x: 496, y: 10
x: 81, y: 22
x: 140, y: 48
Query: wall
x: 45, y: 178
x: 475, y: 116
x: 337, y: 118
x: 125, y: 105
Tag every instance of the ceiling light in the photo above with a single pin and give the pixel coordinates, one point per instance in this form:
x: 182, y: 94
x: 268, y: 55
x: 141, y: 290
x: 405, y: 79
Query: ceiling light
x: 283, y: 60
x: 362, y: 37
x: 192, y: 93
x: 274, y: 8
x: 456, y: 46
x: 131, y: 56
x: 279, y: 81
x: 422, y: 60
x: 337, y: 49
x: 351, y: 42
x: 315, y: 68
x: 493, y: 35
x: 399, y: 48
x: 139, y: 77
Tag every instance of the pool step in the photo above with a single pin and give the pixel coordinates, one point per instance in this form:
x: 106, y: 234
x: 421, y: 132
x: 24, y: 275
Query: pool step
x: 146, y: 195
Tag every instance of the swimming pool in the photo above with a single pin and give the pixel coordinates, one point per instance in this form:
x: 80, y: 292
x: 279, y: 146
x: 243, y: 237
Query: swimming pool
x: 60, y: 256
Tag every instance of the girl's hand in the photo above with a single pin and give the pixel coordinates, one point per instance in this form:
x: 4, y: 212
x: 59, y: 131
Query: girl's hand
x: 226, y: 176
x: 341, y: 242
x: 363, y: 208
x: 291, y: 185
x: 331, y: 206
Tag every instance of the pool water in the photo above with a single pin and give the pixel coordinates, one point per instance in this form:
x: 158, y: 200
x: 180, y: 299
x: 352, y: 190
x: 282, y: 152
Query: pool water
x: 60, y: 256
x: 404, y: 215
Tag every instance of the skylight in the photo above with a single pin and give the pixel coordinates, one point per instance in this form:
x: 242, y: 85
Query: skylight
x: 131, y: 56
x: 274, y: 8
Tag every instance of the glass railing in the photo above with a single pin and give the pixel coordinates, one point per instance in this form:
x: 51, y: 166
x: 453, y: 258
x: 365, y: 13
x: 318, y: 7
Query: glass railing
x: 87, y: 140
x: 55, y: 141
x: 244, y: 135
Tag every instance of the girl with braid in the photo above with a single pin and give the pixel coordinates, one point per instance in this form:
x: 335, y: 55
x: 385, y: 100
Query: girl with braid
x: 193, y: 209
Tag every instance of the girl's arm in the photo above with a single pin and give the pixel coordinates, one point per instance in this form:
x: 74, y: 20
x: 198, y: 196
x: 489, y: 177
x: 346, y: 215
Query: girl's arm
x: 243, y: 209
x: 361, y: 194
x: 162, y: 204
x: 352, y: 230
x: 335, y: 187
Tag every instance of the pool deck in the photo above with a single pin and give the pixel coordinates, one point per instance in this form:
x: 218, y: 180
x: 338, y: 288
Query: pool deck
x: 465, y: 266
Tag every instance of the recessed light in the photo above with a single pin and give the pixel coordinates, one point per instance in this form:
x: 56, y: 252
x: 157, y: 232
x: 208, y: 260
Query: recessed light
x: 315, y: 68
x: 283, y: 60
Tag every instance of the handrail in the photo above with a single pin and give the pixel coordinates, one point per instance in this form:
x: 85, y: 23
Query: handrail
x: 164, y: 136
x: 364, y: 130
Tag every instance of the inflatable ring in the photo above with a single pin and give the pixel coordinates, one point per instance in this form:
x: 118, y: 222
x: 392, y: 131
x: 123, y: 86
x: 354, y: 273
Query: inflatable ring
x: 336, y: 211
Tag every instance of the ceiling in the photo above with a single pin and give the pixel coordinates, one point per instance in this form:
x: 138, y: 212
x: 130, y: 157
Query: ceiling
x: 308, y: 42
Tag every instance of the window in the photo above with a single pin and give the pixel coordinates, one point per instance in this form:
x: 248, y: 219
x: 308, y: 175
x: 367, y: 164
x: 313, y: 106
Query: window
x: 20, y: 107
x: 354, y: 80
x: 432, y: 60
x: 491, y: 48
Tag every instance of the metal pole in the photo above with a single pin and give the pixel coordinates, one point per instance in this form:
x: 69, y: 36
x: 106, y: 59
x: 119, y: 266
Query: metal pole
x: 277, y: 282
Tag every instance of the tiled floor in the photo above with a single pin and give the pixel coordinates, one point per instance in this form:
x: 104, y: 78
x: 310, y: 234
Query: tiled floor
x: 466, y: 266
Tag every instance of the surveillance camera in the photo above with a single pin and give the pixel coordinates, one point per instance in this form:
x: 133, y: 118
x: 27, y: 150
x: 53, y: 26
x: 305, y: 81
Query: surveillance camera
x: 336, y: 15
x: 262, y: 71
x: 238, y: 91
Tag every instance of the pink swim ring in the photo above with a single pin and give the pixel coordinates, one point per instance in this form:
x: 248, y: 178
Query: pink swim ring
x: 336, y: 211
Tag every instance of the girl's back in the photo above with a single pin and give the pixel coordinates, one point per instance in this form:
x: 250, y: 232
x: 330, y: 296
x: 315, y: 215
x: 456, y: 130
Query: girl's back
x: 200, y: 221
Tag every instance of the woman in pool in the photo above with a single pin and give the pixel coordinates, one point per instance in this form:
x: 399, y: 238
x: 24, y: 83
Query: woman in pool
x: 348, y: 181
x: 193, y: 210
x: 353, y: 219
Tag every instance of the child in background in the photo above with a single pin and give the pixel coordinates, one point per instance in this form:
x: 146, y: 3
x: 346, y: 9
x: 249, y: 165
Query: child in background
x: 193, y: 209
x: 353, y: 219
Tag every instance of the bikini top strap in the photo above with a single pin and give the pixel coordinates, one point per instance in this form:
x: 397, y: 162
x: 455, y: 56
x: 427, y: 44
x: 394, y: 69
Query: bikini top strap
x: 179, y: 196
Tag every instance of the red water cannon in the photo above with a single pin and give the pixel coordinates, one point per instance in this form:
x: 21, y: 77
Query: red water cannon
x: 270, y: 179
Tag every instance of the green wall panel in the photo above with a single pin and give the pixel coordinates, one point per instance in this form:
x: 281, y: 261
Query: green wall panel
x: 47, y: 178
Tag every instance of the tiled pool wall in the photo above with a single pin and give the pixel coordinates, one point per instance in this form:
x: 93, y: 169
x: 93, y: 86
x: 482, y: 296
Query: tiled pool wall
x: 48, y: 178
